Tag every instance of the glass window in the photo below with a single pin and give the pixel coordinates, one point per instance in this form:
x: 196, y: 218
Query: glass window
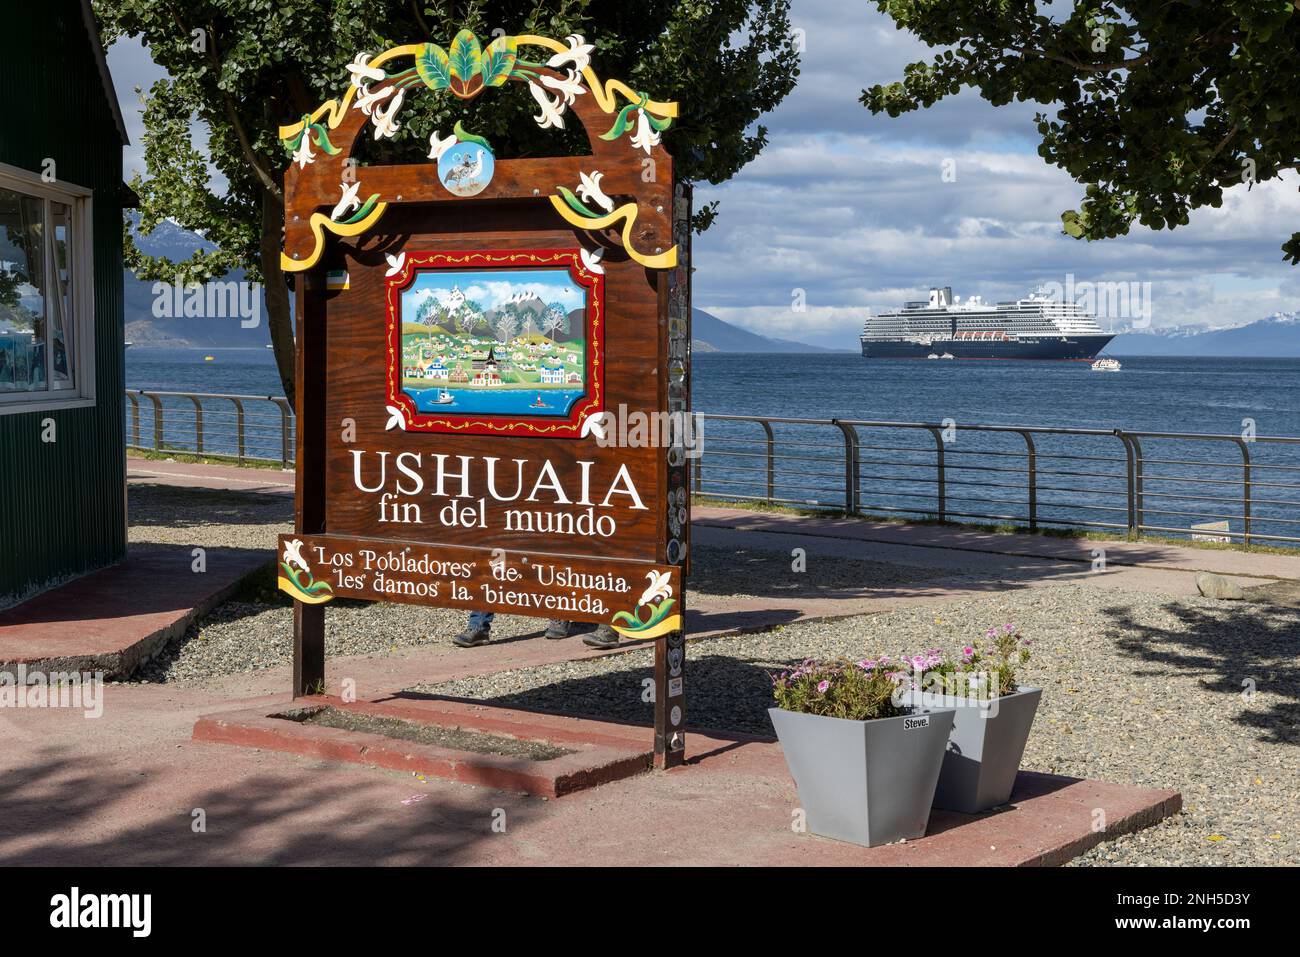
x: 22, y: 292
x: 39, y: 269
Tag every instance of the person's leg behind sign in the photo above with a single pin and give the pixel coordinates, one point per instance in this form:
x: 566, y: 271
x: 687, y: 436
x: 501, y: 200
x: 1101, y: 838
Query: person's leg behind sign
x: 479, y: 632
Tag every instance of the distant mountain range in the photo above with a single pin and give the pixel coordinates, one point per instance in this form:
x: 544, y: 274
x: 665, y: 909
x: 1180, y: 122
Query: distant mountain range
x: 143, y: 328
x: 711, y: 334
x: 1276, y: 336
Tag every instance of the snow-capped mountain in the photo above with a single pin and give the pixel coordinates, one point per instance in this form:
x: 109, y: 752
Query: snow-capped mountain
x: 1275, y: 336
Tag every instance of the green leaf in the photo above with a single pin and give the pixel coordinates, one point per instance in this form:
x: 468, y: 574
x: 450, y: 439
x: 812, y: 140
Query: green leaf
x: 363, y: 212
x: 620, y: 124
x: 466, y: 56
x: 498, y: 61
x: 434, y: 67
x: 576, y: 204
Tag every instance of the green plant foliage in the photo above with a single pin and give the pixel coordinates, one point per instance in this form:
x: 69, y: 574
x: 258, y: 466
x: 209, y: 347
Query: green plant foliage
x: 1159, y: 107
x: 858, y: 691
x: 241, y: 68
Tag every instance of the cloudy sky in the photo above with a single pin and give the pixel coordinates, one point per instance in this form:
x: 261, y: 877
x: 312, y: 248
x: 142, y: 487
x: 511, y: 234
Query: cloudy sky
x: 849, y: 211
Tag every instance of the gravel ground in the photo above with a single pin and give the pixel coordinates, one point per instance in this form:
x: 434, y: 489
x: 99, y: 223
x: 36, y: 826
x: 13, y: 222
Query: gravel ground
x: 1140, y: 689
x: 1190, y: 694
x: 171, y: 515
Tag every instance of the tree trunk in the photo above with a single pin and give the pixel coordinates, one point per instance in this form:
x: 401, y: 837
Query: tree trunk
x: 279, y: 319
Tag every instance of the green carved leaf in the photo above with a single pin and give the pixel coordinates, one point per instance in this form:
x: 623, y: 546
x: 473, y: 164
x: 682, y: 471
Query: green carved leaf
x: 434, y: 67
x: 498, y: 61
x: 466, y: 56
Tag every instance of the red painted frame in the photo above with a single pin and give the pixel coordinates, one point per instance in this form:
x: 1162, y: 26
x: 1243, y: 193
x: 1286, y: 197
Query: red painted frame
x: 475, y: 424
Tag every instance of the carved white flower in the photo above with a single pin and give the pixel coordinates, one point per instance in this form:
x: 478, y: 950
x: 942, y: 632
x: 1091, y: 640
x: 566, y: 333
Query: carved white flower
x: 569, y: 88
x: 658, y: 587
x: 303, y: 154
x: 361, y: 72
x: 395, y: 263
x: 293, y: 555
x: 367, y: 100
x: 438, y: 146
x: 591, y: 259
x: 646, y: 136
x: 386, y: 121
x: 589, y: 190
x: 552, y: 110
x: 579, y: 53
x: 349, y: 202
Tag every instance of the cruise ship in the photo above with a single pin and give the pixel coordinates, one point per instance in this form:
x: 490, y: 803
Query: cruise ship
x: 1036, y: 327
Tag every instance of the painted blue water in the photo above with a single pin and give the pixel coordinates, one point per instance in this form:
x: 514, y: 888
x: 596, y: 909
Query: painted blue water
x: 556, y: 402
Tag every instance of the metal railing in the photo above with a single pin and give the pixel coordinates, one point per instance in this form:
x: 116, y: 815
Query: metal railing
x: 245, y: 428
x: 1033, y: 476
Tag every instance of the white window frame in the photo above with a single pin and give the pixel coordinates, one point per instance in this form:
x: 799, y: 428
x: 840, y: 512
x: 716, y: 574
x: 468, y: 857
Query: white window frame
x: 82, y: 277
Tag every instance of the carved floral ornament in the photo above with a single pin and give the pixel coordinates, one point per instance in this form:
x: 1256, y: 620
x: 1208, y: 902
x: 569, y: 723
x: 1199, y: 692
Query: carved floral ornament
x: 466, y: 69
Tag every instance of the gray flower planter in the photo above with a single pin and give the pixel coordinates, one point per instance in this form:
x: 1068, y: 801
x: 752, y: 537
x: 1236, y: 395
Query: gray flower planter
x: 984, y: 748
x: 868, y: 782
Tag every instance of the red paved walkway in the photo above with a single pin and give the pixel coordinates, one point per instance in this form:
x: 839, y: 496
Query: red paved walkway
x: 114, y: 619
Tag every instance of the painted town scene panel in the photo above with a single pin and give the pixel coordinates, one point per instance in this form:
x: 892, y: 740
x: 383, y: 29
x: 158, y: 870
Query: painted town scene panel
x: 494, y: 342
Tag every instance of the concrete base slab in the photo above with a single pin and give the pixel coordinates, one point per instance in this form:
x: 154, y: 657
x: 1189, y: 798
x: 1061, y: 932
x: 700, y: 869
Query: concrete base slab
x: 599, y: 752
x: 741, y: 783
x: 115, y: 619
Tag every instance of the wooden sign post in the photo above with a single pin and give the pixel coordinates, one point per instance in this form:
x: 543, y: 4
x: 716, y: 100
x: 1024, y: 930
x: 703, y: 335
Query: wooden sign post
x: 493, y: 359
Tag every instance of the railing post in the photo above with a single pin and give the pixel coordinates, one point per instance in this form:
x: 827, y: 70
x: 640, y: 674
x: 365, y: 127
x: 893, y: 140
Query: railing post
x: 1139, y: 504
x: 852, y: 493
x: 941, y: 491
x: 135, y: 420
x: 283, y: 405
x: 1033, y: 480
x: 239, y: 427
x: 198, y: 423
x: 1246, y: 496
x: 771, y: 461
x: 157, y: 421
x: 1130, y: 498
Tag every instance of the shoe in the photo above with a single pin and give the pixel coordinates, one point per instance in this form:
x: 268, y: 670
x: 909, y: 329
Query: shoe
x: 469, y: 638
x: 558, y: 628
x: 603, y: 637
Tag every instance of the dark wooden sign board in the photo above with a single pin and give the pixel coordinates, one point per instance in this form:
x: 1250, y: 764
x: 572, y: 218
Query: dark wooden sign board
x: 474, y: 335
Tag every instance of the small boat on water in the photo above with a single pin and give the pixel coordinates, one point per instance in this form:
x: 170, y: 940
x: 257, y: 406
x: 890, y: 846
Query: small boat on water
x: 947, y: 355
x: 443, y: 398
x: 538, y: 403
x: 932, y: 355
x: 1106, y: 365
x: 209, y: 358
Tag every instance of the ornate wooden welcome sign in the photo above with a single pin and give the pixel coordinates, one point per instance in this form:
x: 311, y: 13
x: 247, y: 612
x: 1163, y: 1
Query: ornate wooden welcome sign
x: 475, y: 333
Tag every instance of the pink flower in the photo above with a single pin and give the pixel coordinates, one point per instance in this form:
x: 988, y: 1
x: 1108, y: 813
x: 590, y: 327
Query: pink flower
x: 823, y: 686
x: 968, y: 652
x: 992, y: 632
x: 1008, y: 628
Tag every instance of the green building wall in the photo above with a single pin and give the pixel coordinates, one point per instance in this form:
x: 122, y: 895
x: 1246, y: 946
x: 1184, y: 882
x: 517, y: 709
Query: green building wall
x: 63, y: 504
